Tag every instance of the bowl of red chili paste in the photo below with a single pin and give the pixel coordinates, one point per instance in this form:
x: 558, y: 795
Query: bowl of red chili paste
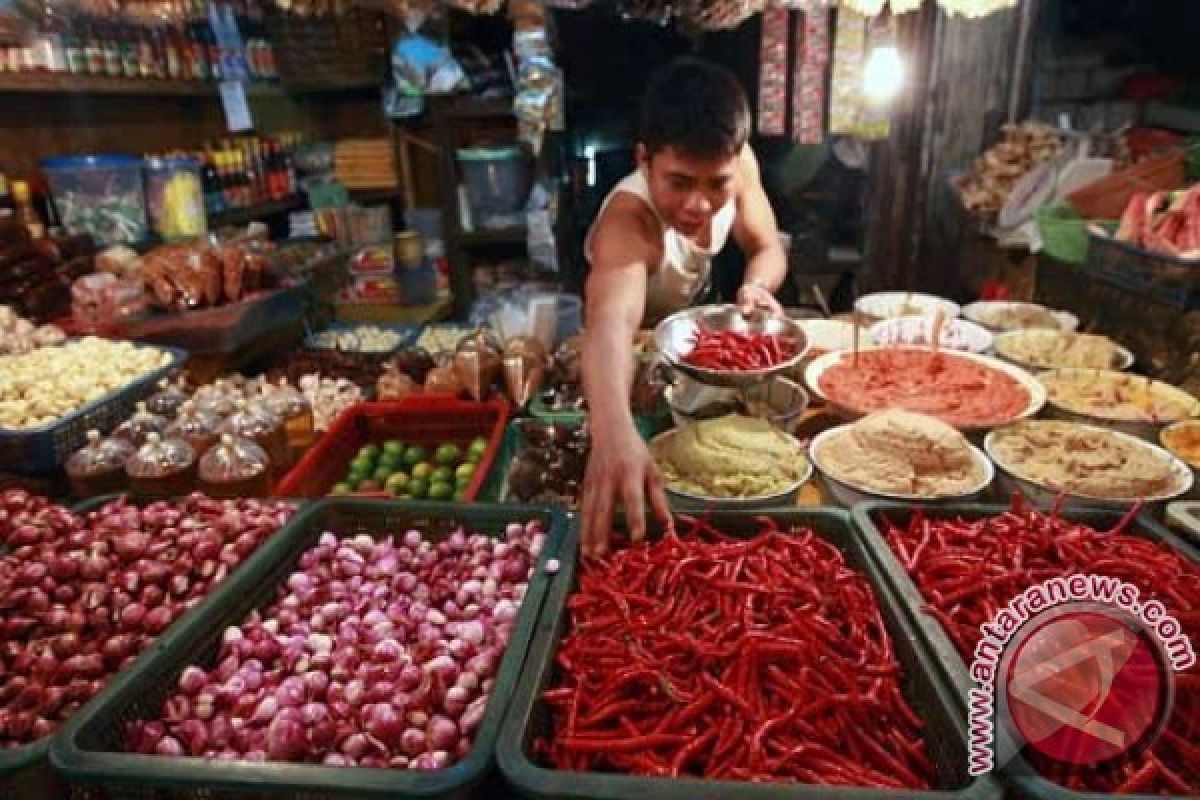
x: 965, y: 390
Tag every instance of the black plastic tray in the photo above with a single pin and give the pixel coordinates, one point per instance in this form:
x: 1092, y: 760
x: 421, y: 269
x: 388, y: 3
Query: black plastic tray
x: 929, y: 695
x: 89, y: 753
x: 954, y: 669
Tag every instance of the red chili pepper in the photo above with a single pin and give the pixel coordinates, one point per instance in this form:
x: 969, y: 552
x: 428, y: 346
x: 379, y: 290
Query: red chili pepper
x: 705, y: 655
x: 731, y: 351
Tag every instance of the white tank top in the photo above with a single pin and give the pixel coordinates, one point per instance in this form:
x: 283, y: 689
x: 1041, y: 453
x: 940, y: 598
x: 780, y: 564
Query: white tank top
x: 674, y: 282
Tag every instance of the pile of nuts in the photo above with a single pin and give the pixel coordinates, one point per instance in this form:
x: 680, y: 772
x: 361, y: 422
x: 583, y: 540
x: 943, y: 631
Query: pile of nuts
x: 18, y: 335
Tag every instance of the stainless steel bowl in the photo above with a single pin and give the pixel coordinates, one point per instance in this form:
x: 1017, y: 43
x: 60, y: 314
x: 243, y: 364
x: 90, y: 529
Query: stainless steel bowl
x: 675, y: 334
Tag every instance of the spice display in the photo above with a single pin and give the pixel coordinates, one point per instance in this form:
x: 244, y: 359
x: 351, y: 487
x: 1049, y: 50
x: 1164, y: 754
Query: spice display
x: 1050, y: 349
x: 18, y: 335
x: 84, y: 595
x: 710, y: 682
x: 966, y: 392
x: 400, y: 639
x: 1118, y: 396
x: 731, y: 456
x: 413, y: 472
x: 40, y: 387
x: 1084, y: 460
x: 899, y: 453
x: 548, y: 467
x: 986, y: 187
x: 734, y: 351
x: 1163, y: 222
x: 967, y: 569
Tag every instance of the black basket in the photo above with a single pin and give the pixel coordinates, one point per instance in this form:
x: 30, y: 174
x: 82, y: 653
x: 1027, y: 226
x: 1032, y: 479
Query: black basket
x: 528, y: 718
x: 954, y: 669
x: 89, y: 749
x: 1162, y: 278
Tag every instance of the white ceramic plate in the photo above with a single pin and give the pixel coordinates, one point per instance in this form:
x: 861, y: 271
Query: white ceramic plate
x: 957, y: 334
x: 886, y: 305
x: 1037, y: 392
x: 1124, y: 356
x: 977, y: 312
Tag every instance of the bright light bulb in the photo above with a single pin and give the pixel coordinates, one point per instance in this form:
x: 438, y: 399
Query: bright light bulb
x: 883, y: 74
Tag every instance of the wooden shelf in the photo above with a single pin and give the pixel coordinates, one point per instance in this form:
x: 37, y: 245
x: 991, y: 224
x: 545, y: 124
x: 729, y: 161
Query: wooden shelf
x: 59, y: 83
x: 240, y: 216
x: 514, y: 235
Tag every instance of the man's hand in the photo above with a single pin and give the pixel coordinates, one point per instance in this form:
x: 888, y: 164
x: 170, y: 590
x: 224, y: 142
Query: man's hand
x: 753, y: 297
x: 620, y: 468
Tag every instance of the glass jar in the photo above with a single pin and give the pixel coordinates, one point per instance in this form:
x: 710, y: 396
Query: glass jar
x: 162, y: 467
x: 253, y: 421
x: 168, y: 399
x: 197, y: 427
x: 287, y: 402
x: 140, y: 425
x: 235, y: 467
x: 99, y: 466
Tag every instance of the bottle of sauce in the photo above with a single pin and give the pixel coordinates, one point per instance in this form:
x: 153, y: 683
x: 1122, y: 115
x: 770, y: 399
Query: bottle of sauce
x: 162, y: 467
x: 288, y: 403
x: 25, y: 213
x: 235, y: 467
x: 99, y: 466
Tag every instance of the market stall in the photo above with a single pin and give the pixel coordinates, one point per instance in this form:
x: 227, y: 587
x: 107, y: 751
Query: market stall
x: 270, y: 527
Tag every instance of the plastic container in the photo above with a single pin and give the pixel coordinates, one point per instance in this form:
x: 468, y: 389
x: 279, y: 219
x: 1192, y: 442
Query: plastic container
x: 99, y: 467
x: 175, y: 197
x: 427, y: 420
x: 162, y: 467
x: 169, y: 398
x: 196, y: 426
x: 497, y: 182
x: 925, y: 690
x: 867, y: 518
x: 140, y: 425
x: 1163, y: 278
x: 235, y: 467
x: 88, y: 751
x: 252, y: 420
x: 101, y: 195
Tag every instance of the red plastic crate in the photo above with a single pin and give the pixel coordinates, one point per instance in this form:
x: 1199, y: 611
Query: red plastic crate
x: 420, y: 419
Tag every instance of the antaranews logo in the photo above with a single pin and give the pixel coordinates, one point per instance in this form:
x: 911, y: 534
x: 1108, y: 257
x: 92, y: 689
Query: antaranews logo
x: 1077, y: 668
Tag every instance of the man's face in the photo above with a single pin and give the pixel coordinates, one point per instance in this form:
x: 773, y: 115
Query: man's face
x: 688, y: 191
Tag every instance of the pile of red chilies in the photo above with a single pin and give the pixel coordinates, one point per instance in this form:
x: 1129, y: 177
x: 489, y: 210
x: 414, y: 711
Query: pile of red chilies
x: 968, y: 570
x: 731, y: 351
x: 762, y: 659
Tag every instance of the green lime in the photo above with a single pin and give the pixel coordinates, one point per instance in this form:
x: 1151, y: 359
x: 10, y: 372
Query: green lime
x: 442, y: 475
x: 476, y: 450
x: 460, y: 495
x: 362, y: 464
x: 448, y: 455
x: 397, y: 482
x: 441, y: 491
x: 393, y: 447
x: 368, y: 451
x: 464, y: 473
x: 418, y: 487
x: 342, y: 488
x: 390, y: 460
x: 414, y: 455
x: 381, y: 475
x: 422, y: 470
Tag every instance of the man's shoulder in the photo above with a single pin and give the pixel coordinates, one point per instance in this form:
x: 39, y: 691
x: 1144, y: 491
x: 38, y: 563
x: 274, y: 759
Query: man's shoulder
x: 626, y: 222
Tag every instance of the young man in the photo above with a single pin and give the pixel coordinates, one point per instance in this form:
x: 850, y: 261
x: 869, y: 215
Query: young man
x: 650, y: 252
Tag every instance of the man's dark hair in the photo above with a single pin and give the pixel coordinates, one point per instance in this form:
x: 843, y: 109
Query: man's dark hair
x: 696, y: 107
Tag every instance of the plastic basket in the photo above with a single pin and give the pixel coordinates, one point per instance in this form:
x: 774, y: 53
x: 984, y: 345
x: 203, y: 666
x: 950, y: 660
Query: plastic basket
x: 1168, y: 280
x: 89, y: 753
x: 1108, y: 197
x: 419, y: 419
x: 40, y: 450
x: 954, y: 668
x: 1064, y: 233
x: 528, y: 718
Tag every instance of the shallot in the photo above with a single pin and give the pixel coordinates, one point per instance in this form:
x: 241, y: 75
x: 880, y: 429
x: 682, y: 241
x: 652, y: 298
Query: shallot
x: 375, y: 653
x: 81, y: 596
